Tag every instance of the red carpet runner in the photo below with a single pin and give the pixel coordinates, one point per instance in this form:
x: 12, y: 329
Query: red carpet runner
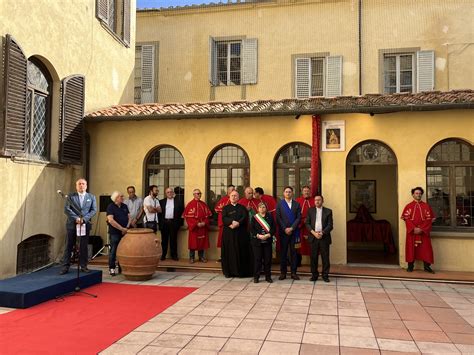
x: 80, y: 324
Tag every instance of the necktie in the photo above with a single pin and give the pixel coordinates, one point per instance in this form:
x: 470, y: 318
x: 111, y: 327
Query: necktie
x: 81, y: 199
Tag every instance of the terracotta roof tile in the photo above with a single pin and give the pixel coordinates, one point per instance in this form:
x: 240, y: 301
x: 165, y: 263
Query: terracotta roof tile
x: 370, y: 103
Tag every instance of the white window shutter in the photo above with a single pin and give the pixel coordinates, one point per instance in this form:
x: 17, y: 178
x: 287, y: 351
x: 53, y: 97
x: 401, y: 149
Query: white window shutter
x: 425, y: 70
x: 333, y: 83
x: 249, y: 60
x: 303, y: 78
x: 148, y: 74
x: 212, y: 62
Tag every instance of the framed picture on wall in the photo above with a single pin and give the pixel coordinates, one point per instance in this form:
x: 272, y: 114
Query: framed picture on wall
x: 362, y: 192
x: 333, y: 136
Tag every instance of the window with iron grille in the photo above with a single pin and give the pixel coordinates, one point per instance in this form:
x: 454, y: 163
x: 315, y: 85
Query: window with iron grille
x: 33, y: 253
x: 399, y: 73
x: 450, y: 184
x: 165, y: 168
x: 38, y: 110
x: 228, y: 62
x: 292, y: 168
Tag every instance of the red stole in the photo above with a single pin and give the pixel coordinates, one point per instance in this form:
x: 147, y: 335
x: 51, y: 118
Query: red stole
x: 418, y: 246
x: 305, y: 204
x: 224, y: 201
x: 195, y: 212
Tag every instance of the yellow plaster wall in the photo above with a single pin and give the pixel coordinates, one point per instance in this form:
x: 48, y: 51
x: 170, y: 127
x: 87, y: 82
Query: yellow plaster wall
x: 68, y: 39
x: 409, y: 135
x: 287, y: 28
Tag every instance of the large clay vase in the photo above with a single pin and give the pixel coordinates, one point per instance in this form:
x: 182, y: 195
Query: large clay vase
x: 139, y: 253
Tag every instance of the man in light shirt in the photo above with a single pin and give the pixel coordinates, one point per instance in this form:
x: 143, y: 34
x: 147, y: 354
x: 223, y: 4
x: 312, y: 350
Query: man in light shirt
x: 151, y: 206
x: 135, y: 207
x: 319, y: 224
x: 171, y: 220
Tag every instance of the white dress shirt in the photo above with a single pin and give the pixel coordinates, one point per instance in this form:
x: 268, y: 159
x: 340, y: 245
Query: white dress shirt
x: 169, y: 213
x: 318, y: 226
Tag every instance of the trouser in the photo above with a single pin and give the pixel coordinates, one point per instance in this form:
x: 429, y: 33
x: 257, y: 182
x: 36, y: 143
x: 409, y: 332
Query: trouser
x: 71, y: 242
x: 192, y: 254
x: 114, y: 242
x: 262, y: 251
x: 412, y: 264
x: 321, y: 246
x: 169, y: 233
x: 287, y: 242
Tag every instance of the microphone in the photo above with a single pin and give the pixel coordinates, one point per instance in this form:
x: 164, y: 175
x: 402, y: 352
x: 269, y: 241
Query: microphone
x: 62, y: 194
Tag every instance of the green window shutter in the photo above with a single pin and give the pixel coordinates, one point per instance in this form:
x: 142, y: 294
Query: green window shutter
x: 249, y: 60
x: 302, y: 78
x: 72, y: 113
x: 14, y: 124
x: 148, y: 74
x: 212, y: 62
x: 425, y: 70
x: 333, y: 83
x: 102, y: 10
x: 126, y: 21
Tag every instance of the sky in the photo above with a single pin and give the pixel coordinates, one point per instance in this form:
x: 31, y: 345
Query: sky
x: 167, y: 3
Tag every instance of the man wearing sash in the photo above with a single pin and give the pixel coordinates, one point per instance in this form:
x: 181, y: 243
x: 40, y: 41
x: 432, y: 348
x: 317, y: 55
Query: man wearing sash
x: 262, y: 229
x: 249, y: 202
x: 236, y: 257
x: 197, y: 215
x: 224, y: 201
x: 418, y: 217
x: 306, y: 202
x: 288, y: 214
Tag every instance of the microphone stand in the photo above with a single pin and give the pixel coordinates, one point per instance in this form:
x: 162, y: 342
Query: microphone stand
x: 78, y: 211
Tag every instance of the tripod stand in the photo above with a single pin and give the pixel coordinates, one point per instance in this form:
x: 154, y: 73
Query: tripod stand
x: 81, y: 232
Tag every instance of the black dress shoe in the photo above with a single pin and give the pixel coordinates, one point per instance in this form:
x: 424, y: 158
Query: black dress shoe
x: 282, y: 277
x: 163, y: 258
x: 64, y: 270
x: 85, y: 269
x: 410, y: 269
x: 295, y: 277
x: 429, y: 269
x: 268, y: 279
x: 313, y: 278
x: 256, y: 280
x: 326, y: 279
x: 203, y: 260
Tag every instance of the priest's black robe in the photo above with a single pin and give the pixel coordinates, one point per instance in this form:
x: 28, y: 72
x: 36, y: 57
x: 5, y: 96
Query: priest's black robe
x: 236, y: 255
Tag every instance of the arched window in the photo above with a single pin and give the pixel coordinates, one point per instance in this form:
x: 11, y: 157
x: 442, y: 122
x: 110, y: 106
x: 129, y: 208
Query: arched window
x: 292, y: 168
x: 371, y: 153
x: 450, y: 184
x: 165, y: 167
x: 38, y: 109
x: 227, y: 165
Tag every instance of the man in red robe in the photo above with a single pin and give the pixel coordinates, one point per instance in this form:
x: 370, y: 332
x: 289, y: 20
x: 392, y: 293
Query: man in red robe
x: 224, y: 201
x: 418, y: 217
x: 249, y: 202
x: 197, y: 215
x: 306, y: 202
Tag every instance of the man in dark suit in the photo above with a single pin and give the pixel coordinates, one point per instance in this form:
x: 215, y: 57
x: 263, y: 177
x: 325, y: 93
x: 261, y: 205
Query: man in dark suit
x: 319, y: 225
x: 288, y: 215
x: 79, y: 203
x: 171, y: 220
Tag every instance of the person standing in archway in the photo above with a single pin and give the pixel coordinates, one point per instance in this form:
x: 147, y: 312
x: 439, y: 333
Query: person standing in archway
x: 418, y: 217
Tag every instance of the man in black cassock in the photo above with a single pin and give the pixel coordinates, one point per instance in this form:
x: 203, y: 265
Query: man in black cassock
x: 236, y: 253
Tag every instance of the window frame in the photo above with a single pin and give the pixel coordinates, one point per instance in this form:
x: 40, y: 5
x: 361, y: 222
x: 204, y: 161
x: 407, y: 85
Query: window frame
x: 156, y: 67
x: 317, y: 55
x: 117, y: 29
x: 451, y: 165
x: 398, y: 72
x: 165, y: 167
x: 228, y: 43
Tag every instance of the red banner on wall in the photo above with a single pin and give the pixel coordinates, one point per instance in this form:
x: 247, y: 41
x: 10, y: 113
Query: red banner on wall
x: 315, y: 151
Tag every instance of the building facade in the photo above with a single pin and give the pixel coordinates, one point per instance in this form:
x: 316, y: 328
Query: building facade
x: 59, y: 60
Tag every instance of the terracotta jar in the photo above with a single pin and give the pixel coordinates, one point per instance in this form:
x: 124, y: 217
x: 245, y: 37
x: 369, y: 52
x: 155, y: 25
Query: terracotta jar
x: 139, y: 253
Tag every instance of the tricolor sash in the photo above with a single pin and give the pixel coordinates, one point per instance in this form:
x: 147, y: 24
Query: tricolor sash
x: 263, y: 223
x: 291, y: 218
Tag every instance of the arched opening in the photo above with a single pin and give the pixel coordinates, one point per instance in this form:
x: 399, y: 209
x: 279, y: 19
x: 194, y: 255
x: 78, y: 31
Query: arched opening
x: 372, y: 204
x: 33, y: 253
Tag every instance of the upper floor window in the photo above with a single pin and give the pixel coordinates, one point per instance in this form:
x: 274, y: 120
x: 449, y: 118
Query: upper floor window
x: 146, y: 78
x: 317, y: 75
x: 116, y: 16
x: 450, y: 184
x: 38, y: 109
x: 408, y: 70
x: 232, y: 61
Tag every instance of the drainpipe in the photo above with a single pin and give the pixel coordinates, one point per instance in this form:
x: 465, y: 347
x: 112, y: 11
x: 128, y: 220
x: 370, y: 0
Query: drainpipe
x: 360, y: 47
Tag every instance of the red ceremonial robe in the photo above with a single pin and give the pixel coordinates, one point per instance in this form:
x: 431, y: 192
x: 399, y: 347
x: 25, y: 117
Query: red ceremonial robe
x: 418, y: 246
x: 195, y: 212
x: 252, y: 203
x: 224, y: 201
x: 305, y: 204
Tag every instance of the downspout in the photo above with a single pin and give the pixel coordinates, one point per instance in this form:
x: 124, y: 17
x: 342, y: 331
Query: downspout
x: 360, y: 47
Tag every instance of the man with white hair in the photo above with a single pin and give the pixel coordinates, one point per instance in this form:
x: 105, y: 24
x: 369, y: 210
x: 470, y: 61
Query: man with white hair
x: 118, y: 219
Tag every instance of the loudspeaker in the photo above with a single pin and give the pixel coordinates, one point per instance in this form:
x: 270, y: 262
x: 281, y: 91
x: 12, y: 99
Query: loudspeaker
x: 104, y: 201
